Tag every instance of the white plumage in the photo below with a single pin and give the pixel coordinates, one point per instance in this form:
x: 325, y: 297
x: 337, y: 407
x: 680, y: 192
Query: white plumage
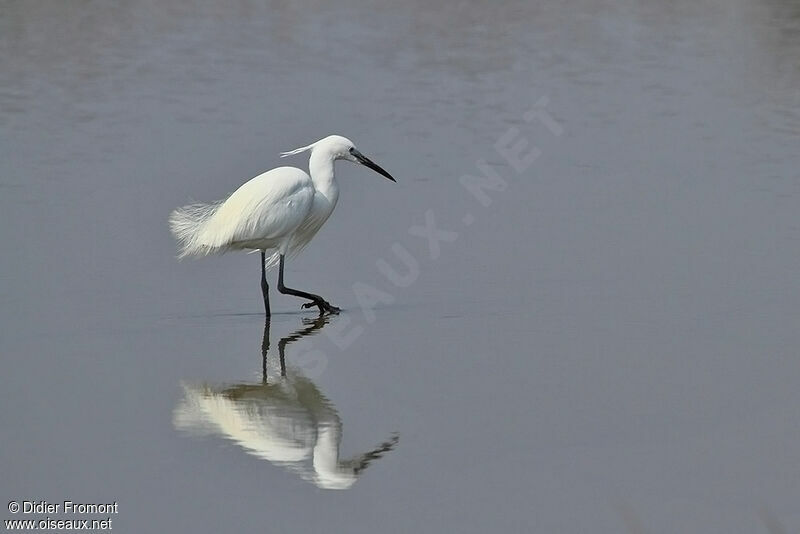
x: 263, y: 214
x: 277, y: 212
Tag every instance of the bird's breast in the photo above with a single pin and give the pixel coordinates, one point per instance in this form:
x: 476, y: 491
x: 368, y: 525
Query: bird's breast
x: 324, y: 203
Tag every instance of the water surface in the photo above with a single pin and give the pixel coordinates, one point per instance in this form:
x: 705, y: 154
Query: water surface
x: 605, y: 340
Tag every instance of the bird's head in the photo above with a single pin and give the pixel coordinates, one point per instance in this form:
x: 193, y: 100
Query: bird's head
x: 339, y: 147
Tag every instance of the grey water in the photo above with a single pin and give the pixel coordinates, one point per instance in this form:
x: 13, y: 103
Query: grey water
x: 578, y: 310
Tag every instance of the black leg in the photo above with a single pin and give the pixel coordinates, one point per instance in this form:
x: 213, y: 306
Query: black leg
x: 264, y: 351
x: 310, y: 329
x: 316, y: 300
x: 264, y: 284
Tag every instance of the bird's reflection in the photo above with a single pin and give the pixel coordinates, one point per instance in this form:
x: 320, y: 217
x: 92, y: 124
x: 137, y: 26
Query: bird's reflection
x: 285, y: 420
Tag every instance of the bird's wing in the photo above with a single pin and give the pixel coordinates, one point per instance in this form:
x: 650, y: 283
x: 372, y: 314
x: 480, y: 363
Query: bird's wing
x: 265, y: 209
x: 304, y: 233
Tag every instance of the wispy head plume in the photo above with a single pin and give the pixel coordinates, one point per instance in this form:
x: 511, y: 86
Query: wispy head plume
x: 298, y: 150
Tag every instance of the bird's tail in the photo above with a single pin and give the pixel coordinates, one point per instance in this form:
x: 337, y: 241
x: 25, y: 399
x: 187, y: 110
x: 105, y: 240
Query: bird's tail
x: 187, y: 225
x: 190, y: 414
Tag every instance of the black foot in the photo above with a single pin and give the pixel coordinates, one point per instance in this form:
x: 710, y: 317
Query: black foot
x: 323, y: 305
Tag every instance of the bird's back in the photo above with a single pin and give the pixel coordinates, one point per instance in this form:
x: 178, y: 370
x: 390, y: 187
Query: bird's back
x: 262, y: 213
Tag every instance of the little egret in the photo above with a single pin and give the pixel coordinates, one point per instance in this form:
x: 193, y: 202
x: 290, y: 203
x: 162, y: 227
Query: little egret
x: 278, y: 212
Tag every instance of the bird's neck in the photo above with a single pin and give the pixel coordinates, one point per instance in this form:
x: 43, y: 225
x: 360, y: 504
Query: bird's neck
x: 326, y: 450
x: 320, y: 167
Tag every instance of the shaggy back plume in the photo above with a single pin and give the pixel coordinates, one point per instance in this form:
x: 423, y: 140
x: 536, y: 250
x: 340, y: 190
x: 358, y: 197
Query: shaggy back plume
x: 187, y: 224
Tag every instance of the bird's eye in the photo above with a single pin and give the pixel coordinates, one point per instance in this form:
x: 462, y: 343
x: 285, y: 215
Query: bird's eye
x: 352, y: 149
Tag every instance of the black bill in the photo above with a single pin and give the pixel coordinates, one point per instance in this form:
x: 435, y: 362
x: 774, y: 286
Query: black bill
x: 364, y: 160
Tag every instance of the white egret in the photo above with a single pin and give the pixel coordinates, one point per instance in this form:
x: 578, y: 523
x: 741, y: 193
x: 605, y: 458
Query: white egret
x: 277, y: 212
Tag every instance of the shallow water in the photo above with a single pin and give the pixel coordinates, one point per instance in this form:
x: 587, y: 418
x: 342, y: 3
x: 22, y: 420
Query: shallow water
x: 604, y: 340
